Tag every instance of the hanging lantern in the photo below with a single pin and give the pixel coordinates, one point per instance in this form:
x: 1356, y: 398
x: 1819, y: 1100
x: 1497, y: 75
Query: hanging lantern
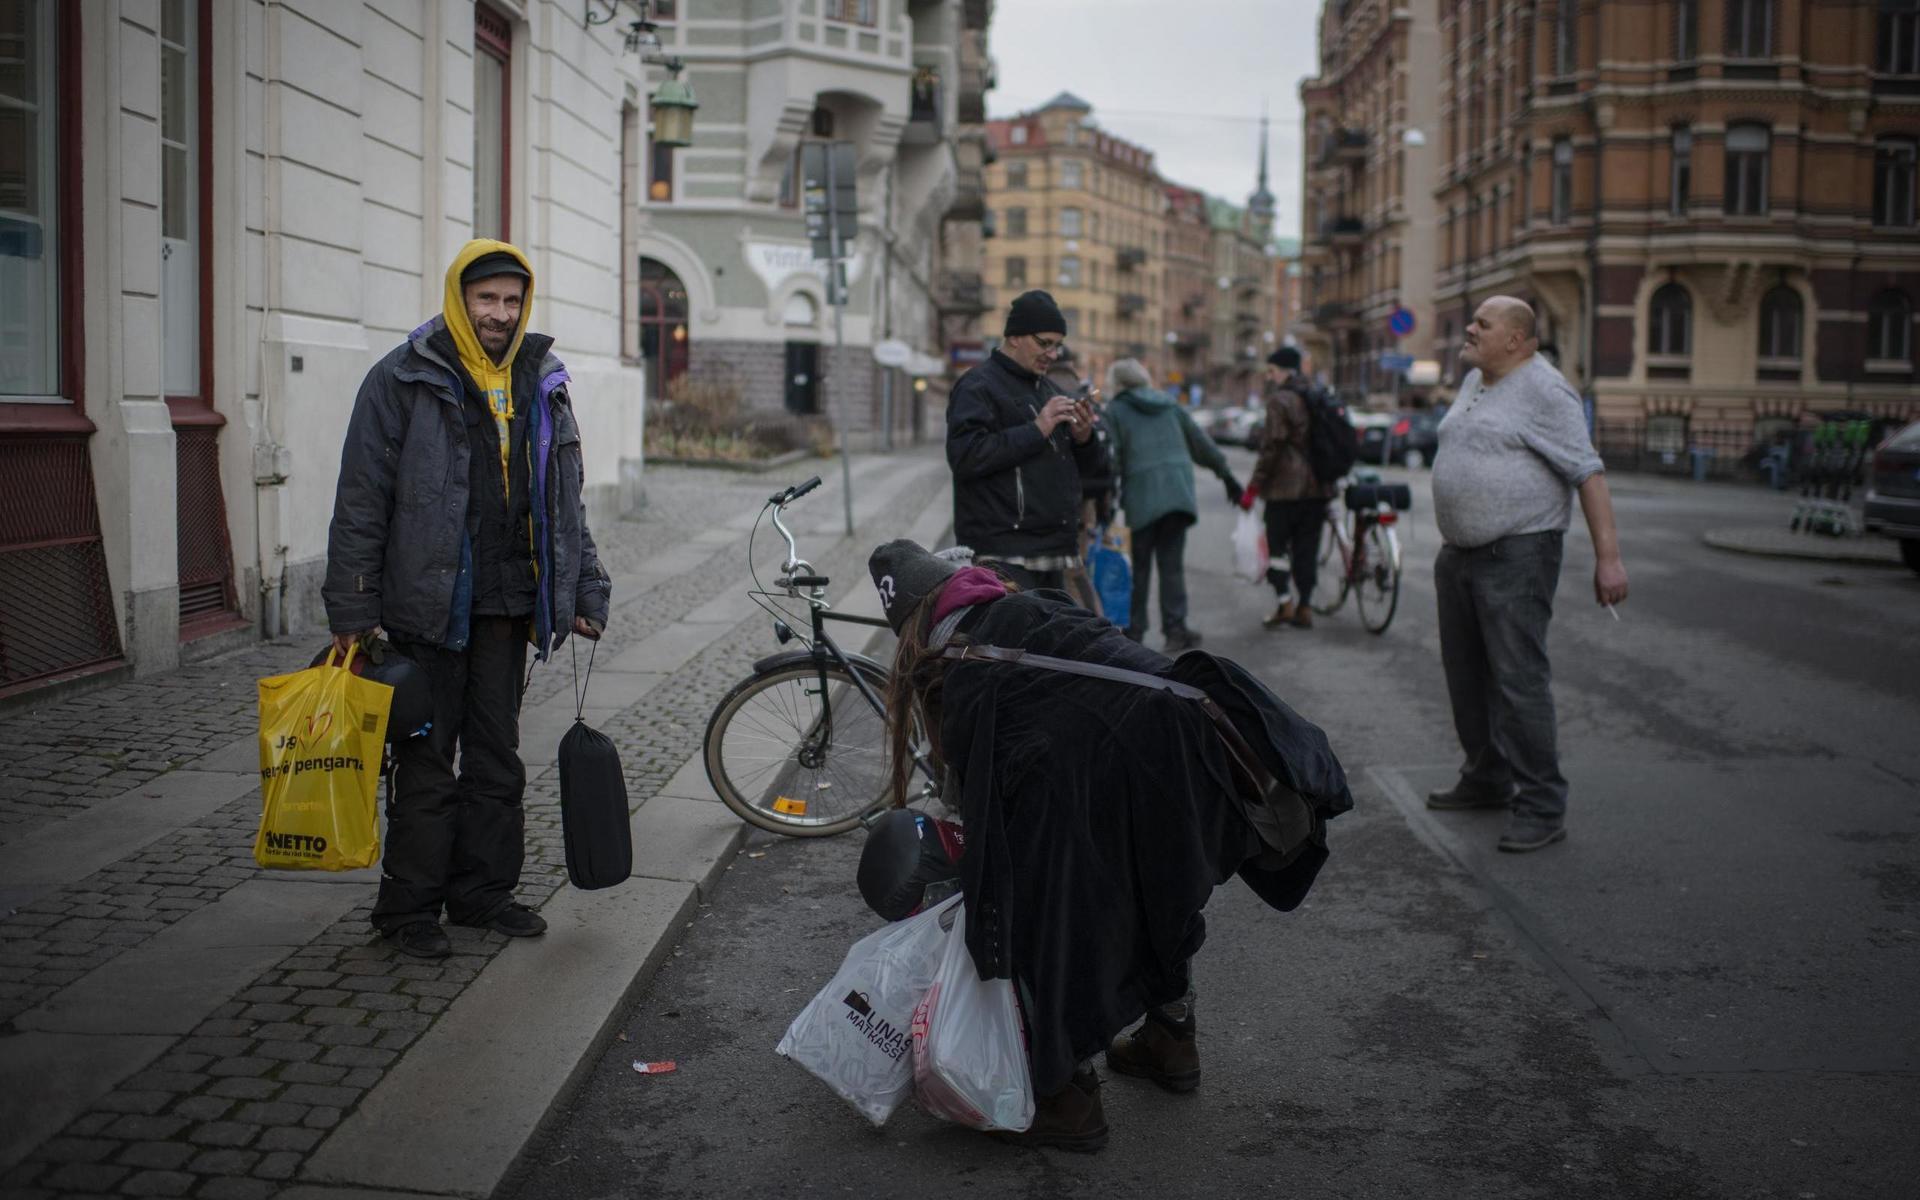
x: 673, y: 107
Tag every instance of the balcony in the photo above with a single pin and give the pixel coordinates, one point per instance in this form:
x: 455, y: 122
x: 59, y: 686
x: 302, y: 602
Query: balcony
x: 1130, y: 257
x: 1336, y: 316
x: 961, y: 292
x: 1136, y: 349
x: 975, y: 14
x: 1344, y: 146
x: 1131, y: 303
x: 925, y: 119
x: 1343, y: 231
x: 972, y: 98
x: 969, y: 201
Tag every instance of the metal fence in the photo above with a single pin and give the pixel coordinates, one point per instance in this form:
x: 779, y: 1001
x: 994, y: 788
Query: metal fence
x: 1701, y: 451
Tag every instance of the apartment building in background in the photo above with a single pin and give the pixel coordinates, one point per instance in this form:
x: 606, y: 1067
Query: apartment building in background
x: 215, y: 215
x: 1711, y: 205
x: 1242, y: 333
x: 730, y: 290
x: 1368, y: 225
x: 1078, y: 212
x: 1188, y: 290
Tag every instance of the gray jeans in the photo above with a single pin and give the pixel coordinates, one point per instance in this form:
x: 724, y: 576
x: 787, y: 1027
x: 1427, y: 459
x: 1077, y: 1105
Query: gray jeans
x: 1163, y: 543
x: 1495, y: 603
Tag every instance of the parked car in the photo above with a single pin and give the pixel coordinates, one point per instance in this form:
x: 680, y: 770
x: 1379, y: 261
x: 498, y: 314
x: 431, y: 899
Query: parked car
x: 1411, y: 433
x: 1232, y: 426
x: 1893, y: 492
x: 1371, y: 428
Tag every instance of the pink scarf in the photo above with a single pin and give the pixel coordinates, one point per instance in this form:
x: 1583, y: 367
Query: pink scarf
x: 969, y: 585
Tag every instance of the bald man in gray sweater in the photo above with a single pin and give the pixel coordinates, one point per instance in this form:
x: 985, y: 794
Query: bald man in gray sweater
x: 1513, y: 452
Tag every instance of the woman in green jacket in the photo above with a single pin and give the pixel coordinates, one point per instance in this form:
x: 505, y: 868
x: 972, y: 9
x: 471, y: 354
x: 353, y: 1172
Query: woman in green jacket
x: 1155, y: 444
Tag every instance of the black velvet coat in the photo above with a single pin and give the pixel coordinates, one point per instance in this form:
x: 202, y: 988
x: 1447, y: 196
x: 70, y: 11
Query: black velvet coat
x: 1101, y: 815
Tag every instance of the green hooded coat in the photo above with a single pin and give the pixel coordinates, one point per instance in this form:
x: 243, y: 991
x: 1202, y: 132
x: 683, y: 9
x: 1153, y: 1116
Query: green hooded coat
x: 1155, y: 444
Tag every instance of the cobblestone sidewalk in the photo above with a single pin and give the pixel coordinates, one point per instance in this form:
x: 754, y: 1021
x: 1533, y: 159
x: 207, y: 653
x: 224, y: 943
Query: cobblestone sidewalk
x: 232, y: 1109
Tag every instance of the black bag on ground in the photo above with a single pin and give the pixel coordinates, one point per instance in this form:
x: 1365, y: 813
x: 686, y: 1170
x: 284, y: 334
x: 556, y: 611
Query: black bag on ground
x: 1333, y: 446
x: 593, y: 805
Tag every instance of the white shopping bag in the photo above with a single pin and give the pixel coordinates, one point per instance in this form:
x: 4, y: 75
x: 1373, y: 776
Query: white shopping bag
x: 856, y: 1034
x: 1250, y: 547
x: 969, y: 1054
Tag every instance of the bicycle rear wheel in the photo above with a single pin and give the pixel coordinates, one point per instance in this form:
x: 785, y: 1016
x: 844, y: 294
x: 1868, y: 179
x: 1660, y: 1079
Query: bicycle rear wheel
x: 1377, y: 590
x: 798, y: 750
x: 1332, y: 579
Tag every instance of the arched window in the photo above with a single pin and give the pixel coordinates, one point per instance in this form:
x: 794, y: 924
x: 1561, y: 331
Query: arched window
x: 1780, y: 322
x: 1670, y: 322
x: 664, y: 339
x: 1890, y: 328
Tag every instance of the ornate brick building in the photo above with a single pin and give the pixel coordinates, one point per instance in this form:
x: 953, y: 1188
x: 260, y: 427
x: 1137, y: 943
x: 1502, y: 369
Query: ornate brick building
x: 1711, y: 205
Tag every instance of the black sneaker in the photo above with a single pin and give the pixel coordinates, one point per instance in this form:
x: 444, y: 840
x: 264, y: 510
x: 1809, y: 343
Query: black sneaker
x: 1460, y: 797
x: 1524, y: 835
x: 422, y: 939
x: 514, y: 920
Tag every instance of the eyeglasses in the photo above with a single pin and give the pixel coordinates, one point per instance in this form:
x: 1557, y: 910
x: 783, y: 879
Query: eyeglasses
x: 1046, y: 347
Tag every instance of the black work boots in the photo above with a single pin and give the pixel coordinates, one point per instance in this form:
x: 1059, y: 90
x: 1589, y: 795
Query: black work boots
x: 1162, y: 1050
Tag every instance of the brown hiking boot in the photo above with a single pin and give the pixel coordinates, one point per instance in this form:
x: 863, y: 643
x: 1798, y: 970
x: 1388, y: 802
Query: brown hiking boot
x: 1302, y: 617
x: 1284, y: 615
x: 1069, y: 1119
x: 1161, y: 1050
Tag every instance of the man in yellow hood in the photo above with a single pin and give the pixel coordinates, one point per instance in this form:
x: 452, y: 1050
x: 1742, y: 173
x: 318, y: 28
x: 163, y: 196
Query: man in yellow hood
x: 458, y: 528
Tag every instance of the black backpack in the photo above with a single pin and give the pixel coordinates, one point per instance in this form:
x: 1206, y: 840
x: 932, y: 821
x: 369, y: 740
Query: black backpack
x: 1333, y: 446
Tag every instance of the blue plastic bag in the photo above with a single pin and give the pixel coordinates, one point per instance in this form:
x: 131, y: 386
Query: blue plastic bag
x: 1112, y: 577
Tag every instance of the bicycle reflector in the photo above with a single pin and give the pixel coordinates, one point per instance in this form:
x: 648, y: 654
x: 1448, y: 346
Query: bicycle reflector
x: 1387, y: 516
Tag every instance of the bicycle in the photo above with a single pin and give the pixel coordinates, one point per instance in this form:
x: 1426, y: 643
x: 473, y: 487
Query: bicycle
x: 800, y: 746
x: 1368, y: 552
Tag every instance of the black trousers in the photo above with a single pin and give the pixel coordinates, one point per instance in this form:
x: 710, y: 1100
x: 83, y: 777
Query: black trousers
x: 1495, y: 602
x: 1293, y: 529
x: 1163, y: 543
x: 458, y: 841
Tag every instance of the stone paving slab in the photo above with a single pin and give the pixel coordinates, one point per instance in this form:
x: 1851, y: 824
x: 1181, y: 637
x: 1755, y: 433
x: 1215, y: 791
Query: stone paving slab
x: 68, y: 1071
x: 490, y: 1067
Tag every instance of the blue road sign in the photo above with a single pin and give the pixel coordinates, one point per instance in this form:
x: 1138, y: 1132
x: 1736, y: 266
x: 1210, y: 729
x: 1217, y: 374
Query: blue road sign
x: 1396, y: 362
x: 1401, y: 322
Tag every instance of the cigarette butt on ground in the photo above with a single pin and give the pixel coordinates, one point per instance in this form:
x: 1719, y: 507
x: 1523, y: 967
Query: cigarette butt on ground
x: 655, y: 1068
x: 1614, y: 611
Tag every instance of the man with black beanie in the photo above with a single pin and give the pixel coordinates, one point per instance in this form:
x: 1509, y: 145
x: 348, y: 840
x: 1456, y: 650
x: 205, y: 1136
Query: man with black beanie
x: 1018, y: 448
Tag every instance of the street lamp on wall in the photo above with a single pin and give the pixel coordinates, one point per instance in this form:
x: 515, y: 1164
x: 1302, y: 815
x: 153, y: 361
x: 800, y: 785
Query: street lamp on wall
x: 674, y: 104
x: 673, y: 108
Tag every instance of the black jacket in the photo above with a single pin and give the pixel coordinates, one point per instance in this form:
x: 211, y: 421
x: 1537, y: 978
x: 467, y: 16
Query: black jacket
x: 400, y: 548
x: 1015, y: 491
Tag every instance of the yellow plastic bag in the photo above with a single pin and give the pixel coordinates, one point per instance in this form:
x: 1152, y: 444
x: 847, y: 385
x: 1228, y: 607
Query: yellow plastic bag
x: 321, y: 733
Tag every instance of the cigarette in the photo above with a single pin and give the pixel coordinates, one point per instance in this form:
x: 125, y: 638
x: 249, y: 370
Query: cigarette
x: 1614, y: 611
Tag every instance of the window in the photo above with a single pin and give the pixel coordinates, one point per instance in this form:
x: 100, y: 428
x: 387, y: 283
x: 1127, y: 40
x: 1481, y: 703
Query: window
x: 1016, y: 222
x: 1686, y: 30
x: 1070, y: 222
x: 1016, y: 272
x: 1749, y: 28
x: 1017, y: 176
x: 1747, y: 149
x: 855, y: 12
x: 1018, y: 135
x: 1890, y: 328
x: 1562, y: 180
x: 1680, y: 178
x: 660, y: 175
x: 1897, y: 49
x: 1070, y: 271
x: 30, y: 170
x: 492, y: 148
x: 1780, y: 322
x: 1070, y: 173
x: 1566, y: 38
x: 1670, y: 322
x: 663, y: 327
x: 179, y: 200
x: 1893, y: 183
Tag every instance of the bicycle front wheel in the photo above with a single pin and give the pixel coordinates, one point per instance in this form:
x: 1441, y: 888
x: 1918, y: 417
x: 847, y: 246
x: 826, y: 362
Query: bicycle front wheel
x: 1332, y: 584
x: 798, y: 750
x: 1377, y: 588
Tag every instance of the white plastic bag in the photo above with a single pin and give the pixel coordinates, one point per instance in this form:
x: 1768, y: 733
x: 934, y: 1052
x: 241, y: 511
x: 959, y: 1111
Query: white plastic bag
x: 855, y: 1035
x: 969, y: 1055
x: 1250, y: 547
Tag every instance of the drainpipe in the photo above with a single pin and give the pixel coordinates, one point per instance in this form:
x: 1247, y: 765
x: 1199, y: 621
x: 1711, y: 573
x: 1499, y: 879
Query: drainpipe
x: 1593, y: 227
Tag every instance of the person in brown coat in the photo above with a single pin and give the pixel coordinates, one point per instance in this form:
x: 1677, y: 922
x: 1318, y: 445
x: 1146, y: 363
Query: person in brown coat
x: 1296, y: 501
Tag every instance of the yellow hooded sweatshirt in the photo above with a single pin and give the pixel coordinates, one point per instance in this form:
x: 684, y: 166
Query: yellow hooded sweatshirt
x: 495, y: 380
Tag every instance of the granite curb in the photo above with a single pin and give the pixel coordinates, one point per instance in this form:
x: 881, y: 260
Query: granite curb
x: 1868, y: 550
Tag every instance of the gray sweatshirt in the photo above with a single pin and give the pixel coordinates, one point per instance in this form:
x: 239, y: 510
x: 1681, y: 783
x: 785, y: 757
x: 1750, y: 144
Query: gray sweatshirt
x: 1510, y: 456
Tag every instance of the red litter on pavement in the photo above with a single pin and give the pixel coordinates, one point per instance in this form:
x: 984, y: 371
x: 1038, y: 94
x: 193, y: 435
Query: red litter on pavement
x: 655, y: 1068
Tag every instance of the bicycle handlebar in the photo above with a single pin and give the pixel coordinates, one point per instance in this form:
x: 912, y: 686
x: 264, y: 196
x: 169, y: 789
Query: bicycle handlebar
x: 793, y: 493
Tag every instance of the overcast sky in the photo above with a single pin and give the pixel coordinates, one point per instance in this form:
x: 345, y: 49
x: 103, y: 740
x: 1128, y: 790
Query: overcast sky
x: 1185, y: 80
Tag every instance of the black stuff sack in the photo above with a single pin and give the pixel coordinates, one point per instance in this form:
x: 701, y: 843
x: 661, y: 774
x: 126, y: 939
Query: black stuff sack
x: 593, y: 809
x: 593, y: 798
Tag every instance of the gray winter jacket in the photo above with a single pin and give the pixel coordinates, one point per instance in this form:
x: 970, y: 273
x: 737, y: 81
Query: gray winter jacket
x: 398, y: 552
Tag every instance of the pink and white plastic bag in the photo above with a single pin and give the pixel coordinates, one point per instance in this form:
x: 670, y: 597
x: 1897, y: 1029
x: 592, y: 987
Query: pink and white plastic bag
x: 969, y: 1051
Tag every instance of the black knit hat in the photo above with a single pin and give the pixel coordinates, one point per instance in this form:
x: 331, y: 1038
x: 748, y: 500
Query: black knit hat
x: 1035, y: 312
x: 906, y: 574
x: 1286, y: 358
x: 488, y: 265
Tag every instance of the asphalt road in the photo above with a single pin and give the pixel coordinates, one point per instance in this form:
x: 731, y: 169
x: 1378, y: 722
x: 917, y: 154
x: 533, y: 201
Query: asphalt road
x: 1708, y: 990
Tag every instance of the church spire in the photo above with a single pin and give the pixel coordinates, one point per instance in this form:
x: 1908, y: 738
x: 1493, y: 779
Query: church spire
x: 1260, y: 204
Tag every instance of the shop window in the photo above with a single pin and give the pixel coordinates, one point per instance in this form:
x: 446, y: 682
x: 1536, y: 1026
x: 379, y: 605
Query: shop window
x: 31, y: 188
x: 664, y: 339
